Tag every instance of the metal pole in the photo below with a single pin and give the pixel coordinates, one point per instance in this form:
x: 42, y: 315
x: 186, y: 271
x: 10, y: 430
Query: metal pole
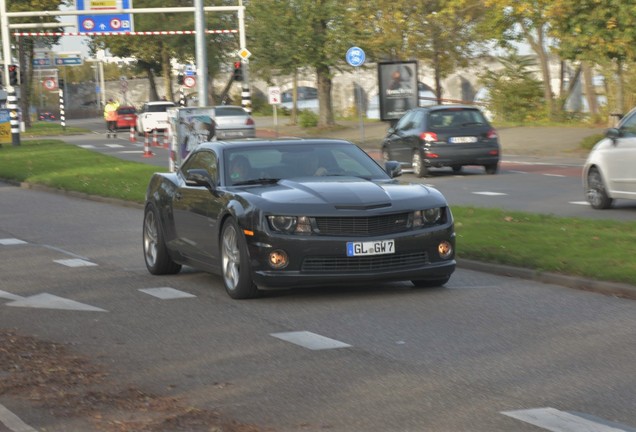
x: 12, y: 100
x: 201, y: 53
x: 246, y: 97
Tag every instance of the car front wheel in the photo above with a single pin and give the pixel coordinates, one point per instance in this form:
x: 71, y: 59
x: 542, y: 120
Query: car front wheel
x: 418, y: 165
x: 156, y: 254
x: 596, y: 192
x: 235, y: 263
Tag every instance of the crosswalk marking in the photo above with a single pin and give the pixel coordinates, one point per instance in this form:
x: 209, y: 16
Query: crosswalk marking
x: 75, y: 262
x: 559, y: 421
x: 166, y: 293
x: 310, y: 340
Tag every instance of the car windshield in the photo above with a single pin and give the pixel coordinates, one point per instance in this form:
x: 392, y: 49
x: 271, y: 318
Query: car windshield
x: 229, y: 111
x: 126, y: 110
x: 267, y: 164
x: 159, y: 107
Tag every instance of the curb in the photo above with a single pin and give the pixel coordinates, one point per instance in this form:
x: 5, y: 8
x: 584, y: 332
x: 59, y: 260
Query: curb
x: 615, y: 289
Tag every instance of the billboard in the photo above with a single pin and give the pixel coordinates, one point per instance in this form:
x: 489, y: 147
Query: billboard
x: 397, y: 82
x: 114, y: 23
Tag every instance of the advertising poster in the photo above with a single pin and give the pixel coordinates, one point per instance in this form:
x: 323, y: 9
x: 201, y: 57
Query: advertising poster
x: 187, y: 128
x: 5, y: 126
x: 397, y: 82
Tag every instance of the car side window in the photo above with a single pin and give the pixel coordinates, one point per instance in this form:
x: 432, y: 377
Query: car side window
x: 405, y: 122
x: 204, y: 159
x: 629, y: 126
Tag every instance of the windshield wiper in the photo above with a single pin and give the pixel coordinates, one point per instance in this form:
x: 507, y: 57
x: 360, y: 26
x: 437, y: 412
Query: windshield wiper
x: 257, y: 181
x: 471, y: 123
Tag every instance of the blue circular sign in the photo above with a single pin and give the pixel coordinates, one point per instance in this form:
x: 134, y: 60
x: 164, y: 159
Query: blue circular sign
x: 355, y: 56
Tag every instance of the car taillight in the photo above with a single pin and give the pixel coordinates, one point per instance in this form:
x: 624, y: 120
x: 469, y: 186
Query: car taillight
x: 428, y: 136
x: 249, y: 121
x: 492, y: 133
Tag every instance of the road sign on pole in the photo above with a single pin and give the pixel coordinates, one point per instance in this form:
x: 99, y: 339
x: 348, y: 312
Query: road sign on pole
x: 114, y: 23
x: 355, y: 56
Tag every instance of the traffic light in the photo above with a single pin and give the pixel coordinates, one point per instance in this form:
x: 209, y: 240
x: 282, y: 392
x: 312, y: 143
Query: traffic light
x: 13, y: 75
x: 238, y: 71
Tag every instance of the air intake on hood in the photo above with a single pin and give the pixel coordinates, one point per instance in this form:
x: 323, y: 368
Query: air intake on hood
x: 362, y: 207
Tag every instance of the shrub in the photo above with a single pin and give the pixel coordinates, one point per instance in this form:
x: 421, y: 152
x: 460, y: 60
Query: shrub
x: 308, y: 119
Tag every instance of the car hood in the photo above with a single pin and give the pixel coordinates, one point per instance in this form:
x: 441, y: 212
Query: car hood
x: 345, y: 193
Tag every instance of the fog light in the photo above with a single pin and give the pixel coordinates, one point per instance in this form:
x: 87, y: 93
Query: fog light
x: 278, y: 259
x: 445, y: 249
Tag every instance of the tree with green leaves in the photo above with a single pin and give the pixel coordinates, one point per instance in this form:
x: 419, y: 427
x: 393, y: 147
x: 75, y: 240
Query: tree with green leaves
x: 527, y: 21
x: 285, y: 35
x: 599, y: 32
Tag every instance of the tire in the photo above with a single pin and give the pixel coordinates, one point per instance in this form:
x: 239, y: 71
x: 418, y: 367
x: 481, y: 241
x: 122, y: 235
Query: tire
x: 156, y: 254
x: 492, y: 168
x: 596, y: 193
x: 430, y: 283
x: 418, y: 165
x: 235, y: 267
x: 457, y: 169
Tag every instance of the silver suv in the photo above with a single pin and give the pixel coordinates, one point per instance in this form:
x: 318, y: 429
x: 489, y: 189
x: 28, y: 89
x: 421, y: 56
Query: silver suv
x: 153, y: 116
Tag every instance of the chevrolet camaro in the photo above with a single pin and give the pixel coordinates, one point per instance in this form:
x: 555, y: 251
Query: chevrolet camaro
x: 267, y: 214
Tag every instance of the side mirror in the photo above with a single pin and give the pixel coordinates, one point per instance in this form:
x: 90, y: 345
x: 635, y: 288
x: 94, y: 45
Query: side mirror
x: 199, y: 177
x: 393, y: 168
x: 613, y: 134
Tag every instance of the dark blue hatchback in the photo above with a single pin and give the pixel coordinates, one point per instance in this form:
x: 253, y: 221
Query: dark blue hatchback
x: 443, y: 136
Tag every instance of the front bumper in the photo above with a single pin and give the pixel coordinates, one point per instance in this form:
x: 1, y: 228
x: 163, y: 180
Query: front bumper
x: 317, y: 260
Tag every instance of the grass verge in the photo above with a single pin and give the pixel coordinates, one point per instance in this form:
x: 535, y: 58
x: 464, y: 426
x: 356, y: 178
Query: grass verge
x: 601, y: 250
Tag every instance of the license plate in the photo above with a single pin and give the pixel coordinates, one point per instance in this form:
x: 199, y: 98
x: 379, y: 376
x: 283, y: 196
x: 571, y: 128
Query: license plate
x: 463, y: 140
x: 381, y: 247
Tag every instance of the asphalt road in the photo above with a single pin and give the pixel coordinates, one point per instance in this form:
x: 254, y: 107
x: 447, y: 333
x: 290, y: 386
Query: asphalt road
x: 487, y: 353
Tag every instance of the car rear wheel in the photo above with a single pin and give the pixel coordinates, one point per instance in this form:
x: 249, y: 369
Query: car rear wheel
x: 596, y: 193
x: 418, y: 165
x: 430, y: 283
x: 492, y: 168
x: 457, y: 168
x: 235, y: 263
x: 156, y: 254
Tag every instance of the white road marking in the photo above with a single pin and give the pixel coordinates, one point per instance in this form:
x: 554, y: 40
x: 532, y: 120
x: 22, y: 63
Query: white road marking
x: 553, y: 175
x: 585, y: 203
x: 310, y: 340
x: 490, y: 193
x: 87, y: 146
x: 114, y: 145
x: 132, y: 151
x: 11, y: 241
x: 166, y: 293
x: 9, y: 296
x: 518, y: 172
x: 13, y: 422
x: 50, y: 301
x: 76, y: 262
x: 559, y: 421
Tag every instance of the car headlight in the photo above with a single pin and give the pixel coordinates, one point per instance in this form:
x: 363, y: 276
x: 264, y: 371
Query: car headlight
x: 427, y: 217
x: 290, y: 224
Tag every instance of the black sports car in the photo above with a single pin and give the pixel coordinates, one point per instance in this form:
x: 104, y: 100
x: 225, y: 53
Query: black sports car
x: 287, y: 213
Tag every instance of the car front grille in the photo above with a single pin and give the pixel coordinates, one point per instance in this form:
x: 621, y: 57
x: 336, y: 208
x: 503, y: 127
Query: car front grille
x: 364, y: 264
x: 363, y: 226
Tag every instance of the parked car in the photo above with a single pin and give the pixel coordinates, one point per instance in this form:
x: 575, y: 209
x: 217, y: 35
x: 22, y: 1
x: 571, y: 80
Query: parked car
x: 609, y: 172
x: 443, y: 136
x: 126, y: 117
x: 47, y: 116
x: 233, y: 122
x: 153, y: 116
x: 300, y: 212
